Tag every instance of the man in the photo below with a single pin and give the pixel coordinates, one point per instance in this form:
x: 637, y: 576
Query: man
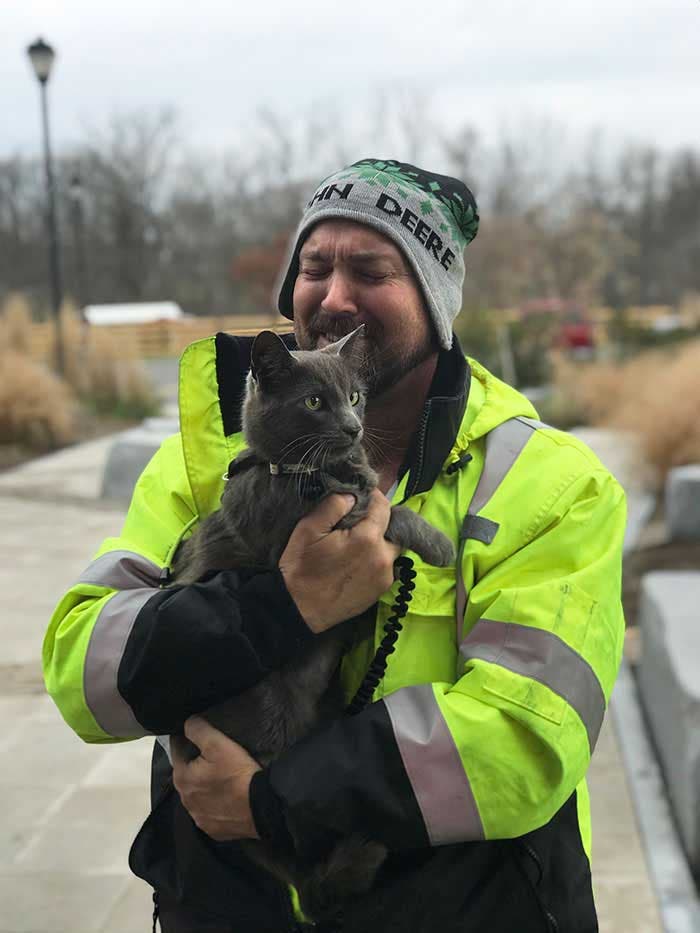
x: 472, y: 757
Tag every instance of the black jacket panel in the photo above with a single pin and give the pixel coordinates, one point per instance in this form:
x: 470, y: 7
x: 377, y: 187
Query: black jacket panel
x: 196, y: 645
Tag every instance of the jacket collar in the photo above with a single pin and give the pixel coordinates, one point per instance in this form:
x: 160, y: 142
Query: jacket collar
x: 440, y: 422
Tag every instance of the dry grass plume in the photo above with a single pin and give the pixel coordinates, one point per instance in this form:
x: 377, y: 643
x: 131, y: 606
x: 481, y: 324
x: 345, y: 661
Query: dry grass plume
x: 656, y: 396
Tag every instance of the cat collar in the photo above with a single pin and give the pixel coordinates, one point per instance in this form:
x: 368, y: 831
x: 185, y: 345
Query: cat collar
x: 280, y: 469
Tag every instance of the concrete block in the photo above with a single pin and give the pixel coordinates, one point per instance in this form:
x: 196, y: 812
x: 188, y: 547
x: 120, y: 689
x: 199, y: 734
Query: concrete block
x: 683, y: 502
x: 129, y: 454
x: 669, y: 684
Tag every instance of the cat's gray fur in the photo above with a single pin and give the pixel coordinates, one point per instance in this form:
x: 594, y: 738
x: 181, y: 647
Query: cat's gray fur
x: 251, y: 529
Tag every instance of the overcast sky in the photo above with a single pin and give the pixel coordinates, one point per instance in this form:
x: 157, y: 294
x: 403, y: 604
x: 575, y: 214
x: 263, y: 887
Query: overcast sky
x: 630, y: 69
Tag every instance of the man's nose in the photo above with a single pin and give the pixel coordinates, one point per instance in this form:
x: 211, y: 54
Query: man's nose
x: 339, y: 297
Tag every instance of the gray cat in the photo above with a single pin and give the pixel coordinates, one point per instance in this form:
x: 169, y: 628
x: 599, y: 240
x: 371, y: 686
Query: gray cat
x: 302, y: 420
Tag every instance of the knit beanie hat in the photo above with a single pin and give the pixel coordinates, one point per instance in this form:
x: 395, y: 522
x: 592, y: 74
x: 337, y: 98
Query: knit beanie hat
x: 431, y: 218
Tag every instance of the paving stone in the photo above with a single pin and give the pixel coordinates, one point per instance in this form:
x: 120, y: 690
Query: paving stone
x: 74, y: 473
x: 59, y: 902
x: 623, y: 892
x: 25, y: 809
x: 46, y: 754
x: 682, y: 503
x: 68, y: 535
x: 104, y: 819
x: 669, y: 683
x: 125, y: 765
x: 620, y: 909
x: 133, y: 910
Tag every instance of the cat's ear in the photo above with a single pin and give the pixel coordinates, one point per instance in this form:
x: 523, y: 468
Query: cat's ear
x: 269, y: 358
x: 345, y: 346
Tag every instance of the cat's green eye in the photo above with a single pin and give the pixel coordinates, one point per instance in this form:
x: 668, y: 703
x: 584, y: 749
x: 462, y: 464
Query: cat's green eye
x: 313, y: 402
x: 354, y: 398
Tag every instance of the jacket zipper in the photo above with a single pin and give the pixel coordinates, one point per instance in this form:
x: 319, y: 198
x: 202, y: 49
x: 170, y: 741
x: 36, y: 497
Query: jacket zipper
x: 551, y: 919
x: 421, y: 450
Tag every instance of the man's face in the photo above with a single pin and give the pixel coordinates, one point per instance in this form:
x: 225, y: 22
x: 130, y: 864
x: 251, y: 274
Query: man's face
x: 350, y: 274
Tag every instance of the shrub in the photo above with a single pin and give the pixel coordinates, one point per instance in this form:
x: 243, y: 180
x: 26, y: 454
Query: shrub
x: 106, y: 376
x: 16, y: 324
x: 656, y: 395
x: 115, y: 383
x: 37, y: 410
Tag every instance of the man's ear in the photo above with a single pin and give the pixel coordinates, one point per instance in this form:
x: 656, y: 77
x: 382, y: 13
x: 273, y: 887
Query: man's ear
x: 345, y: 346
x: 270, y: 360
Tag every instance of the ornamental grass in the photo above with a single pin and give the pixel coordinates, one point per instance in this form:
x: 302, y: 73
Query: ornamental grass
x: 656, y: 396
x: 40, y: 411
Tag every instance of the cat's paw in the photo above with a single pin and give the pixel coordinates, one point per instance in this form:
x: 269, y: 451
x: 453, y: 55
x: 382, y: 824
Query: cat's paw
x: 437, y: 549
x: 348, y: 872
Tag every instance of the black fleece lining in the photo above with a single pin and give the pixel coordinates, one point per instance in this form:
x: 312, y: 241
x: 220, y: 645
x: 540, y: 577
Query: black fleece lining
x: 232, y: 365
x: 212, y: 639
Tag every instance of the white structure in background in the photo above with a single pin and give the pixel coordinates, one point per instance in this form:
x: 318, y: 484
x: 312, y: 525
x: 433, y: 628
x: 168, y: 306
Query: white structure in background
x: 142, y: 312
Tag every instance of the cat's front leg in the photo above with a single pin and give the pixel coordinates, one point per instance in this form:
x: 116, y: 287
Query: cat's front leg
x: 412, y: 532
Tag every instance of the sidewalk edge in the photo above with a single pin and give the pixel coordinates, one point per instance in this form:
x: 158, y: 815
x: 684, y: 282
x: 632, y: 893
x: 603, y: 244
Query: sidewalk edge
x: 677, y: 898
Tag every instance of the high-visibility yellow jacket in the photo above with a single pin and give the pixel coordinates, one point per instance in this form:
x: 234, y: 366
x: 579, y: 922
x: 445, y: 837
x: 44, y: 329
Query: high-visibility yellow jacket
x: 485, y: 721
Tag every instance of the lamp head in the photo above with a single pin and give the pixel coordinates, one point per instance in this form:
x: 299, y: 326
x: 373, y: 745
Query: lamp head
x: 41, y: 55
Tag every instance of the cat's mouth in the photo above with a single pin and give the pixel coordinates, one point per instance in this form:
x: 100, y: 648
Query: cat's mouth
x: 342, y: 449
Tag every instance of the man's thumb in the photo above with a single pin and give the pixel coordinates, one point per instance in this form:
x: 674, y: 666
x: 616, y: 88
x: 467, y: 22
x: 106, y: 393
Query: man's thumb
x: 330, y: 510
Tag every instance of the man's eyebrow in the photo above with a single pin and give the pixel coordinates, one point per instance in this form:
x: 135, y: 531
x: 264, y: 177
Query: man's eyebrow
x: 363, y: 256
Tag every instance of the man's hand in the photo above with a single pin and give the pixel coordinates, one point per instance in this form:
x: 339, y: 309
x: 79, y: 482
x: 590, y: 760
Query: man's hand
x: 214, y: 787
x: 335, y: 574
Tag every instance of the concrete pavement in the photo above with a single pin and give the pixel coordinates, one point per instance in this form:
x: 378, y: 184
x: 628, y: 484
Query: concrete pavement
x: 71, y: 810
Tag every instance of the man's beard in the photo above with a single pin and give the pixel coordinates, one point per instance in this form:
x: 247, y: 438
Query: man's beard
x: 380, y: 368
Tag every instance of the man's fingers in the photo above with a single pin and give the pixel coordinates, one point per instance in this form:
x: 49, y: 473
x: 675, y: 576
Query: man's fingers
x: 328, y: 513
x: 203, y: 735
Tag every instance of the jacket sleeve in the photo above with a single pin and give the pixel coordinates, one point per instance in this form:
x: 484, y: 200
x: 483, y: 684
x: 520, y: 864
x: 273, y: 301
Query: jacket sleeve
x: 123, y: 657
x: 498, y: 752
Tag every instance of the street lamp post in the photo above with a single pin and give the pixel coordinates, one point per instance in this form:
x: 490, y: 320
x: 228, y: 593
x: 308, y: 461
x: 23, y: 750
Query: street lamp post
x: 42, y: 55
x: 81, y: 282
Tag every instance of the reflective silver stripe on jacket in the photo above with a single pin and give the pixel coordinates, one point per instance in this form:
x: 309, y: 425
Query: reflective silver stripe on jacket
x: 136, y: 578
x: 121, y: 570
x: 544, y: 657
x: 504, y: 444
x: 434, y: 768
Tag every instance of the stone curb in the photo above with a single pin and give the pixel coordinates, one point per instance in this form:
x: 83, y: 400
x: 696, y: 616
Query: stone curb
x: 677, y: 897
x: 676, y: 894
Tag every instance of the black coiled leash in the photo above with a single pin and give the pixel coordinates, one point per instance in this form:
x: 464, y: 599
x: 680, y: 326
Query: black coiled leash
x: 406, y: 575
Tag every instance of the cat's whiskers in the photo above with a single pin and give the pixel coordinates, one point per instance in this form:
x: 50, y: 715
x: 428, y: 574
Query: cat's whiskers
x: 305, y: 477
x: 375, y: 450
x: 297, y: 441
